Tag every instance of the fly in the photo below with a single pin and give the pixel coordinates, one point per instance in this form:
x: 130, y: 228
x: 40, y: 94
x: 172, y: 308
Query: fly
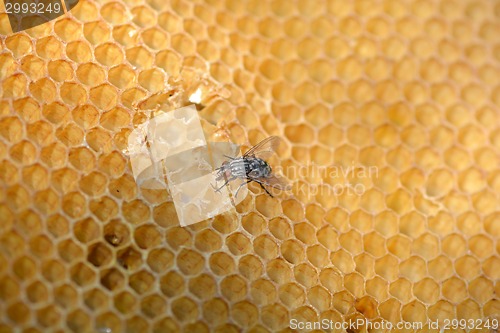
x: 252, y: 167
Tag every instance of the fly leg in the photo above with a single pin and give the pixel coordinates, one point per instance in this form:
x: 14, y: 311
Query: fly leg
x: 225, y: 183
x: 265, y: 189
x: 239, y: 187
x: 217, y: 189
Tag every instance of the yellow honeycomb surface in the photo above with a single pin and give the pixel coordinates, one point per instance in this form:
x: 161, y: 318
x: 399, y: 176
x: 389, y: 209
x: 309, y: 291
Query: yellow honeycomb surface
x: 408, y: 90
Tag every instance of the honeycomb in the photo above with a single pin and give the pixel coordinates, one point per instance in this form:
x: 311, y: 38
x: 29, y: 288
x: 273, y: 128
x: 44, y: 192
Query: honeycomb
x: 407, y: 89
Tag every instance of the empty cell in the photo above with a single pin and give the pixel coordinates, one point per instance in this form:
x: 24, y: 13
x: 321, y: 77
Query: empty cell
x: 215, y: 311
x: 129, y: 258
x: 185, y: 309
x: 82, y: 274
x: 112, y: 279
x: 440, y: 268
x: 70, y: 251
x: 153, y: 306
x: 275, y: 316
x: 99, y: 255
x: 125, y: 302
x: 147, y: 236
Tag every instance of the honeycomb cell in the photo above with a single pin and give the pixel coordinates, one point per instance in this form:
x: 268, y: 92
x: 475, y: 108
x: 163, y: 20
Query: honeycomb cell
x: 125, y: 302
x: 53, y: 270
x: 73, y: 94
x: 49, y: 48
x: 185, y: 309
x: 265, y: 247
x: 263, y: 292
x: 24, y: 268
x: 90, y: 74
x: 468, y: 309
x: 82, y: 274
x: 112, y: 279
x: 68, y: 249
x: 467, y: 267
x: 78, y: 321
x: 147, y: 236
x: 19, y: 313
x: 103, y: 208
x: 48, y: 316
x: 202, y: 286
x: 99, y: 255
x: 65, y: 296
x: 215, y: 311
x: 41, y: 246
x: 103, y: 96
x: 129, y: 258
x: 233, y: 288
x: 237, y: 243
x: 250, y: 267
x: 153, y: 306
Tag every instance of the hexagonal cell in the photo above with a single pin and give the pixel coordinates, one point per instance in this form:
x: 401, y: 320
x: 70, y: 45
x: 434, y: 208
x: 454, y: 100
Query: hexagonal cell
x: 250, y: 267
x: 234, y: 288
x: 467, y: 267
x: 99, y: 254
x: 147, y: 236
x: 215, y: 311
x: 185, y: 309
x: 292, y: 295
x: 203, y: 286
x: 86, y: 230
x: 137, y: 324
x: 159, y: 260
x: 352, y: 242
x: 9, y: 289
x: 112, y: 279
x: 78, y: 321
x: 70, y: 251
x: 454, y: 245
x: 401, y: 289
x: 116, y: 233
x: 279, y: 271
x: 426, y: 246
x: 440, y: 268
x: 221, y: 264
x: 53, y: 271
x: 129, y: 258
x: 48, y: 316
x: 413, y: 268
x: 238, y: 244
x: 153, y: 306
x: 24, y: 268
x: 66, y: 296
x: 104, y: 208
x: 343, y: 302
x: 305, y: 233
x: 108, y: 321
x: 37, y: 292
x: 125, y: 302
x: 253, y: 223
x: 141, y: 281
x: 263, y: 292
x: 82, y: 274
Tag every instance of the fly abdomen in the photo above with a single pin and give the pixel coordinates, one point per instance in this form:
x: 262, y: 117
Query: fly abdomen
x: 238, y: 168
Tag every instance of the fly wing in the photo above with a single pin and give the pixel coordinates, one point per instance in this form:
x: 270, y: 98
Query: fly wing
x: 276, y: 182
x: 264, y: 148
